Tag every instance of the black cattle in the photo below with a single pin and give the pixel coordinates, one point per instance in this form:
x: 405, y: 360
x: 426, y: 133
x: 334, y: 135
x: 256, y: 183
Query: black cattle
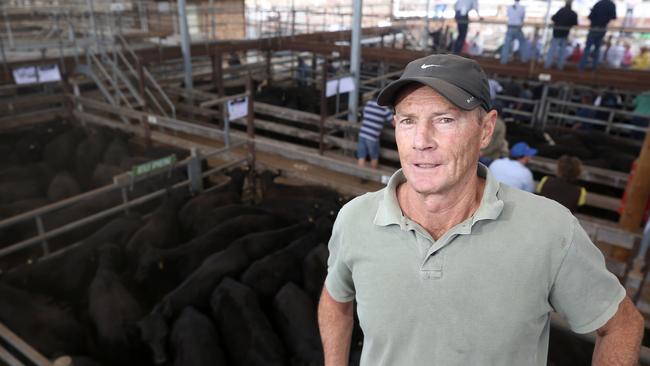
x: 195, y: 290
x: 88, y: 154
x: 48, y: 328
x: 300, y: 208
x: 174, y: 264
x: 314, y: 271
x: 19, y: 190
x: 16, y: 207
x: 194, y: 211
x: 271, y: 189
x: 116, y: 151
x: 567, y: 349
x: 219, y: 215
x: 103, y: 175
x: 235, y: 306
x: 68, y: 275
x: 268, y: 274
x: 60, y: 152
x: 39, y: 172
x: 62, y: 186
x: 161, y: 230
x: 294, y: 315
x: 113, y: 310
x: 195, y: 341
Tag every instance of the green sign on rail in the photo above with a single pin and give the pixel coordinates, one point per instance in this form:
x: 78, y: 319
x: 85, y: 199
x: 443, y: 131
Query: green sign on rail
x: 150, y: 166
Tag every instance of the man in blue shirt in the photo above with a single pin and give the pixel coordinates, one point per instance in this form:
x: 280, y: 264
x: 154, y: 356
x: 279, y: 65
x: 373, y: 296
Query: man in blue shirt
x: 374, y: 118
x: 513, y: 171
x: 601, y: 14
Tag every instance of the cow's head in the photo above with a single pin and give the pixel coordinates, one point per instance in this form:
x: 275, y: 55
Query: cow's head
x: 154, y: 332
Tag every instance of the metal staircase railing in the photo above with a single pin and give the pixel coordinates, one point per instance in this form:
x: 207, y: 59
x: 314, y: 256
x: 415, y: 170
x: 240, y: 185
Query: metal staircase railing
x: 152, y: 89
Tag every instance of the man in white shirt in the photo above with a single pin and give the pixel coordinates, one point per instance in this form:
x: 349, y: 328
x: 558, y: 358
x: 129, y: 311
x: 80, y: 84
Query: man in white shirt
x: 516, y: 15
x: 462, y: 8
x: 513, y: 171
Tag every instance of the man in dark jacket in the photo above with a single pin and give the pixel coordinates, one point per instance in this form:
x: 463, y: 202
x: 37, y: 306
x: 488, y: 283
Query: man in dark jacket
x: 563, y: 20
x: 600, y: 16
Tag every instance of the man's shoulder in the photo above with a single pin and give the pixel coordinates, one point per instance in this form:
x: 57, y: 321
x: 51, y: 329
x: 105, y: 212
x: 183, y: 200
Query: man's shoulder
x: 529, y: 208
x: 362, y: 206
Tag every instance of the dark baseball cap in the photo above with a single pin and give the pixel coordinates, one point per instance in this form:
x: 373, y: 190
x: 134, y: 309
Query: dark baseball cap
x: 459, y: 79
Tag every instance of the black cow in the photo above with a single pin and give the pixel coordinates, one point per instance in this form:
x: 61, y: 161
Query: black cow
x: 193, y: 212
x: 219, y: 215
x: 116, y: 151
x: 235, y: 306
x: 113, y: 310
x: 295, y: 316
x: 314, y: 271
x: 48, y: 328
x: 62, y: 186
x: 68, y: 275
x: 271, y: 189
x: 195, y: 290
x: 174, y: 264
x: 300, y: 208
x: 19, y: 190
x: 60, y: 152
x: 162, y: 229
x: 195, y: 341
x: 88, y: 154
x: 268, y: 274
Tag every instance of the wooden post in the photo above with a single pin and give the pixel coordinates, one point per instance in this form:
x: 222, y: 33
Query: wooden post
x: 533, y: 58
x: 250, y: 121
x: 269, y: 66
x: 323, y: 107
x: 638, y: 191
x: 217, y: 72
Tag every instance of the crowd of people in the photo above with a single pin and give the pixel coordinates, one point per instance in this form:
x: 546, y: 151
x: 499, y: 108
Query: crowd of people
x: 595, y: 50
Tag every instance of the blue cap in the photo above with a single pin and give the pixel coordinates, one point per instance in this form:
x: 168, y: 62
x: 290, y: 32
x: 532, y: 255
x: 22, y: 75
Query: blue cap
x: 521, y: 149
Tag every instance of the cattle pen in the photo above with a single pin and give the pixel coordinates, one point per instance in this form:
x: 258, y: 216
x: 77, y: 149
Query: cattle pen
x: 259, y: 133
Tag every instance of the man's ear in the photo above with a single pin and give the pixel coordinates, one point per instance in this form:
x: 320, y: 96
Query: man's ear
x: 487, y: 127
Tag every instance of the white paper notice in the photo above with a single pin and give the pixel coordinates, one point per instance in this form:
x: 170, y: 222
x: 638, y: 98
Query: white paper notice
x: 48, y: 73
x: 237, y: 108
x: 342, y: 85
x: 26, y: 75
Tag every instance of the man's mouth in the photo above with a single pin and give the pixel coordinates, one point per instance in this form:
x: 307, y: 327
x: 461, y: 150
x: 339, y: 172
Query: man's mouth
x: 425, y: 165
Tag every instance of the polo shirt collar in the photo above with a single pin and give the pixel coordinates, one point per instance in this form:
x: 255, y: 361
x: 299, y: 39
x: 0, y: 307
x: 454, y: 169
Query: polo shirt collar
x: 390, y: 213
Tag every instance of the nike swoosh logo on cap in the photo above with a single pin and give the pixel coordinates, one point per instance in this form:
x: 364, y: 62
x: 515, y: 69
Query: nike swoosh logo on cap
x: 425, y: 66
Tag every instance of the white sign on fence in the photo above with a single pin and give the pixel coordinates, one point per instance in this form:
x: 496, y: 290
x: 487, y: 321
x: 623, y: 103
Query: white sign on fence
x: 237, y: 108
x: 47, y: 73
x: 118, y: 7
x: 342, y: 85
x: 37, y: 74
x: 26, y: 75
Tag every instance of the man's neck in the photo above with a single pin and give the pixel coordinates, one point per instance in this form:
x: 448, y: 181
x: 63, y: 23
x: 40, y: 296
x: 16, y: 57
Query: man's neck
x: 440, y: 212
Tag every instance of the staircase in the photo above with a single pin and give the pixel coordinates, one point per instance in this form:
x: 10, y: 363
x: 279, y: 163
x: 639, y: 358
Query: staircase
x: 122, y: 81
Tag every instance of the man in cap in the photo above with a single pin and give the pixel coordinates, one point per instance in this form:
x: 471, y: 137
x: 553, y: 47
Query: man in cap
x: 513, y: 171
x: 447, y: 266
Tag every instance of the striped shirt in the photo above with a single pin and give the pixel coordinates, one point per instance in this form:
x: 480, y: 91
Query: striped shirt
x: 374, y: 118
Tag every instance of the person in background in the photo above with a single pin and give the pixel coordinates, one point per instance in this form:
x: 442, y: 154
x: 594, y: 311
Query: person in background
x: 563, y: 20
x: 576, y: 54
x: 642, y: 60
x: 374, y: 119
x: 615, y: 55
x: 476, y: 45
x: 303, y: 73
x: 642, y: 110
x: 564, y: 188
x: 512, y: 170
x: 462, y: 8
x: 601, y: 14
x: 627, y: 56
x: 516, y: 14
x: 498, y: 146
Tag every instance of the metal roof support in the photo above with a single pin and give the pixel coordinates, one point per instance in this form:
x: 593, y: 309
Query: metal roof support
x: 185, y: 44
x: 355, y: 61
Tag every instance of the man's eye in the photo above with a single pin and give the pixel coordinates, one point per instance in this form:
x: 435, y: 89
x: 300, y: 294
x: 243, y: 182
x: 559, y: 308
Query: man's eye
x: 406, y: 121
x: 446, y: 120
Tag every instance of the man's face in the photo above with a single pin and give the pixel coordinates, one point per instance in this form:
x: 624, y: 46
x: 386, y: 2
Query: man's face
x: 438, y: 143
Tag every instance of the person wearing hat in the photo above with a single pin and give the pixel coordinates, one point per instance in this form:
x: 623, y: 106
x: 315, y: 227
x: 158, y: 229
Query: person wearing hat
x: 513, y: 171
x: 449, y: 267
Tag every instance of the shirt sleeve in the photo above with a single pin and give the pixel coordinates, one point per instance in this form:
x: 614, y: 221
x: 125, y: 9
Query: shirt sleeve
x: 584, y: 292
x: 338, y: 282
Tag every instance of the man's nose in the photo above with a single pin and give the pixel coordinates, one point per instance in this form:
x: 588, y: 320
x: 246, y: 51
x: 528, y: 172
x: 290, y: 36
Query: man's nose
x: 424, y: 138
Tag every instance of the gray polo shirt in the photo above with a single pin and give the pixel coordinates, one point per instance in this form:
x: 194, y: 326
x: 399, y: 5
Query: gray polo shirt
x: 479, y: 295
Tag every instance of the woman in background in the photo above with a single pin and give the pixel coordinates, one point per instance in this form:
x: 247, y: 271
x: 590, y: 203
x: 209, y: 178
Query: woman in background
x: 564, y: 187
